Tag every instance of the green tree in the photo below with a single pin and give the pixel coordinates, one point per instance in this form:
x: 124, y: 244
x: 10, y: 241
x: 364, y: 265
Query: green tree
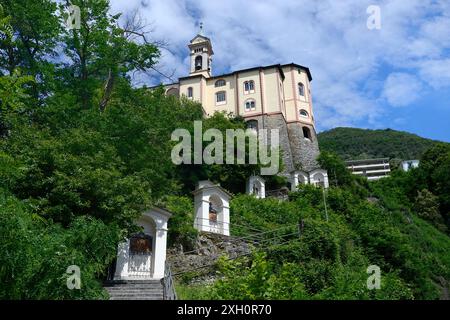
x: 107, y: 165
x: 37, y: 30
x: 230, y: 176
x: 426, y: 206
x: 12, y: 91
x: 102, y: 53
x: 434, y: 171
x: 182, y: 231
x: 337, y: 171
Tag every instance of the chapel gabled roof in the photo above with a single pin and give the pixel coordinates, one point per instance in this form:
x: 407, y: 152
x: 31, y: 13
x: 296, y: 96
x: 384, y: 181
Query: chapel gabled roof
x: 206, y: 184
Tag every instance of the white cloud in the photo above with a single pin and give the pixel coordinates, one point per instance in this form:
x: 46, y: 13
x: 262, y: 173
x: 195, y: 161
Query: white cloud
x: 401, y: 89
x: 436, y: 72
x: 348, y: 62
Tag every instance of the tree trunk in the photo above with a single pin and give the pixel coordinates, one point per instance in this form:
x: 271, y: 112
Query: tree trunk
x: 107, y: 91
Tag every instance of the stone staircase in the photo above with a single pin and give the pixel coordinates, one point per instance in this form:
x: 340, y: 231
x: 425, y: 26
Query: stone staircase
x: 135, y: 290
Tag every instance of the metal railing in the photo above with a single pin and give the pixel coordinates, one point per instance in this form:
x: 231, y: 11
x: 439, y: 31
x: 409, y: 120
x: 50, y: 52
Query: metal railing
x: 168, y: 284
x: 279, y: 193
x: 267, y: 242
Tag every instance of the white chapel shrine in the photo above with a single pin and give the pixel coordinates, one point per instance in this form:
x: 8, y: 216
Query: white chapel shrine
x: 317, y: 177
x: 212, y: 208
x: 256, y: 186
x: 143, y: 256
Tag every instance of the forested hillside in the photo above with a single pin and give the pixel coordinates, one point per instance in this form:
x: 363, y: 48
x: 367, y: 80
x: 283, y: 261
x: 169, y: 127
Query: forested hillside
x: 354, y: 143
x: 83, y: 153
x: 399, y: 224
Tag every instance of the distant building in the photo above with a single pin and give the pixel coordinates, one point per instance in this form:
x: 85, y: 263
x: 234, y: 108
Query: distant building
x: 409, y: 164
x: 373, y: 169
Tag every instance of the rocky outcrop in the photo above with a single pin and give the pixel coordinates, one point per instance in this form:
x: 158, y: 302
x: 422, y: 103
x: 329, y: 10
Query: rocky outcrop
x: 208, y: 248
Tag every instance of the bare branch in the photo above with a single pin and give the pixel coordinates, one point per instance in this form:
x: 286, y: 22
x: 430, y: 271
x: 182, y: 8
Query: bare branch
x: 135, y: 28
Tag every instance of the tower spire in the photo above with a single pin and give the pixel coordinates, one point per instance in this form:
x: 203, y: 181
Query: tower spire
x: 201, y: 53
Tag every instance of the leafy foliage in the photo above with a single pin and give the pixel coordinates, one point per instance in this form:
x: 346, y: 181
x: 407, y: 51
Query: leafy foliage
x: 107, y: 165
x: 362, y: 224
x: 36, y: 254
x: 230, y: 176
x: 427, y: 207
x: 182, y: 231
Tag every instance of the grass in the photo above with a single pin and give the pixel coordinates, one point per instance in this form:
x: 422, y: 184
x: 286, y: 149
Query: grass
x: 191, y: 291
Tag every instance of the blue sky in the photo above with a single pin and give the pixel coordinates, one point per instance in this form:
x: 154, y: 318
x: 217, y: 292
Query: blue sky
x: 395, y: 77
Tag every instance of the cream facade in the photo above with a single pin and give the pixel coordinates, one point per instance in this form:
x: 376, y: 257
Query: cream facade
x: 273, y: 89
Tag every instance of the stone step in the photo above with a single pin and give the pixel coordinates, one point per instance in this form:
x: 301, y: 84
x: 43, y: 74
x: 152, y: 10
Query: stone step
x: 113, y: 289
x: 116, y: 293
x: 137, y: 298
x: 136, y: 286
x: 143, y: 280
x: 137, y: 295
x: 135, y: 290
x: 132, y: 283
x: 132, y: 296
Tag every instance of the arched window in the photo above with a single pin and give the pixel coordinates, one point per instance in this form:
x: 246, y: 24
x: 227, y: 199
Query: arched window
x: 301, y: 89
x: 172, y: 92
x: 249, y: 86
x: 140, y: 244
x: 250, y: 105
x: 198, y: 63
x: 304, y: 113
x: 319, y: 180
x: 190, y: 92
x: 216, y: 222
x: 221, y: 97
x: 220, y: 83
x: 302, y: 179
x: 306, y: 133
x: 212, y: 213
x: 252, y: 125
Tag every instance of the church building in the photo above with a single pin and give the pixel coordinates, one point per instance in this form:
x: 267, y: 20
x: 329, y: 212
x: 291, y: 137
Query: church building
x: 277, y: 96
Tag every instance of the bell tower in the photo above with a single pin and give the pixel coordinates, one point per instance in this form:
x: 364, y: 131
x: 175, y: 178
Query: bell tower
x: 201, y: 54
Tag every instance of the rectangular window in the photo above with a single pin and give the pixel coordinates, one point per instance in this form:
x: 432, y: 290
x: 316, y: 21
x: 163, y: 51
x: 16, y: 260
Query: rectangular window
x: 220, y: 97
x: 301, y: 89
x: 249, y: 87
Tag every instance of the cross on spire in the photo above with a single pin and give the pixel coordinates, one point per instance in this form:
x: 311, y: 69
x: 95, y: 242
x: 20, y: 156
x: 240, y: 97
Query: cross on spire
x: 201, y: 28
